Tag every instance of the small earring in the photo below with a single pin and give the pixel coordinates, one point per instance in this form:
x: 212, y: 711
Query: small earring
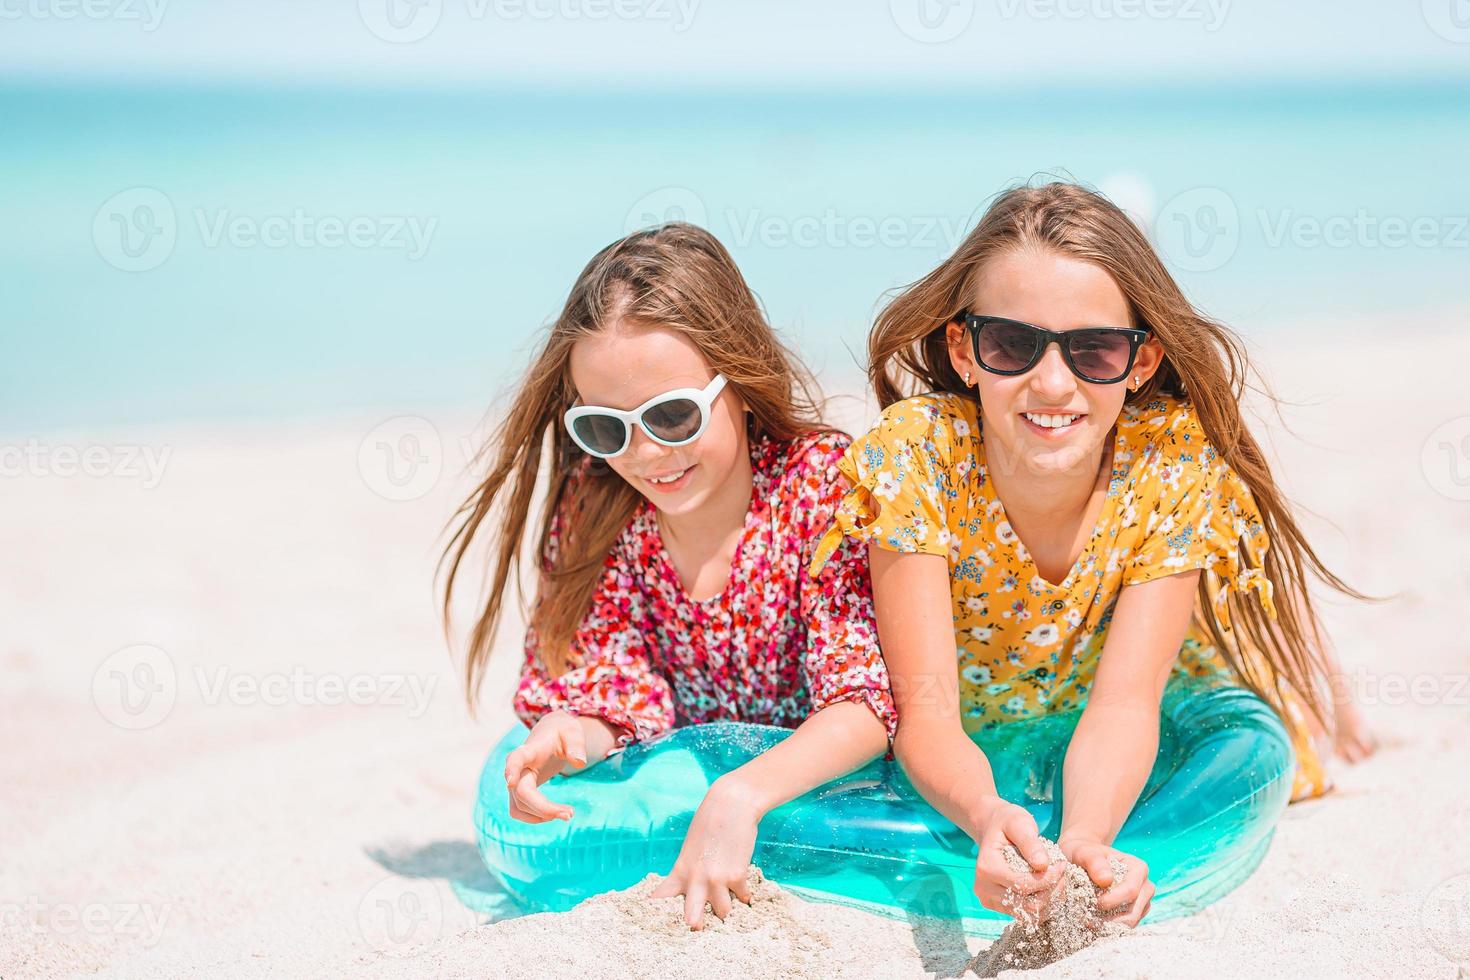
x: 1136, y: 383
x: 967, y: 377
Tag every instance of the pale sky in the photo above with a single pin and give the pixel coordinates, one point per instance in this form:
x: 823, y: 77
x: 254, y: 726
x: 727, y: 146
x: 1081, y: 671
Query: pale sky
x: 945, y: 45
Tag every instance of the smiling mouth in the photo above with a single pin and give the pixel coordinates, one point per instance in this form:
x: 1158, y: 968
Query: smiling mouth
x: 1053, y: 421
x: 668, y: 477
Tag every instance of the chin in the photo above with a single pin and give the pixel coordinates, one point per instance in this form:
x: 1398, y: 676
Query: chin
x: 685, y: 501
x: 1060, y: 455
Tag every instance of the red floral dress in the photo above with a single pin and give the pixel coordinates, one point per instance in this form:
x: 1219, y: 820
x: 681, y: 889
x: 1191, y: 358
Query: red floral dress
x: 773, y: 647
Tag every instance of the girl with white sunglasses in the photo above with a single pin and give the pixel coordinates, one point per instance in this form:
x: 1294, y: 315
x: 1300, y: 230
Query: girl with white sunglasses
x: 690, y: 479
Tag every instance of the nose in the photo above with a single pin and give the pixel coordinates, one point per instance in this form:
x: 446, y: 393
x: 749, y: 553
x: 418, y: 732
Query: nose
x: 1051, y: 379
x: 644, y: 449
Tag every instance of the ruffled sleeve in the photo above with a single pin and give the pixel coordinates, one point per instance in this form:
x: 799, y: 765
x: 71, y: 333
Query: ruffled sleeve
x: 843, y: 661
x: 1200, y: 515
x: 612, y: 675
x: 613, y: 681
x: 899, y: 483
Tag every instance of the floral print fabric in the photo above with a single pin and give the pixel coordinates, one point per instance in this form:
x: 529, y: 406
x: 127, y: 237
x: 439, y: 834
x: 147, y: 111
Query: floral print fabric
x: 773, y: 647
x: 1025, y: 645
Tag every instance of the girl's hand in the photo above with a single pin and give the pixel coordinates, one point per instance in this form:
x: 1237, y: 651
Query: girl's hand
x: 555, y: 740
x: 997, y: 884
x: 715, y: 858
x: 1125, y: 900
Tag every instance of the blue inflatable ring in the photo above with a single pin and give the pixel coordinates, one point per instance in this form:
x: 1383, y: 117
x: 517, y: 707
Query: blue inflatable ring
x: 1202, y: 823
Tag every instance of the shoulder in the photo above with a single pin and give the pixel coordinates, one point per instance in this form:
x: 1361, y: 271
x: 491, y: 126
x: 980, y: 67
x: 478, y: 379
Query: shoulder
x: 808, y: 461
x: 818, y: 448
x: 1166, y: 431
x: 1170, y: 451
x: 935, y: 411
x: 931, y: 425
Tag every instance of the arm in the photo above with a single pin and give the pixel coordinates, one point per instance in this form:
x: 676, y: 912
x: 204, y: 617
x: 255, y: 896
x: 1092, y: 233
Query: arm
x: 851, y: 721
x: 831, y: 743
x: 916, y: 630
x: 612, y: 681
x: 891, y: 502
x: 911, y: 594
x: 713, y: 863
x: 1117, y: 739
x: 611, y: 696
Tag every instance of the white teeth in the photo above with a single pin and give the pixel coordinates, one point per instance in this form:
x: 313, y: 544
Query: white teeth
x: 1051, y: 421
x: 669, y: 479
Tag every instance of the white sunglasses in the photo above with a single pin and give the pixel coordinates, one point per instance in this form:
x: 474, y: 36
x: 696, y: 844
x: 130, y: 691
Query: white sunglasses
x: 674, y: 418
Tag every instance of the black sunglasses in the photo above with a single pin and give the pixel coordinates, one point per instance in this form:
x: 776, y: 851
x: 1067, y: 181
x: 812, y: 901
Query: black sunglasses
x: 1099, y: 355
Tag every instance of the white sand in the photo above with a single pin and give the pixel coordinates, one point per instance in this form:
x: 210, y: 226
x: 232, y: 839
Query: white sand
x: 254, y: 831
x: 1069, y: 923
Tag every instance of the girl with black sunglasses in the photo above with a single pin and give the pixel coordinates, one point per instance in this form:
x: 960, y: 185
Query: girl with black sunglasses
x: 1071, y: 513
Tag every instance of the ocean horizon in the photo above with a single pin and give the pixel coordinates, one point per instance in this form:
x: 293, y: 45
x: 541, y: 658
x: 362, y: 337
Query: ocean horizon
x: 232, y: 251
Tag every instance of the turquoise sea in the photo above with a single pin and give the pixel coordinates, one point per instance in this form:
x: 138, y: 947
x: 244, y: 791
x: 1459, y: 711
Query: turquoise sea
x: 196, y: 254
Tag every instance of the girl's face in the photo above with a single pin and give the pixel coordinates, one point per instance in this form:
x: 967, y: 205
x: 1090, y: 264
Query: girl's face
x: 624, y: 366
x: 1048, y: 289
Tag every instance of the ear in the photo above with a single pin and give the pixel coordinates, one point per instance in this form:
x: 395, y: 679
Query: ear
x: 957, y: 340
x: 740, y: 406
x: 1150, y: 357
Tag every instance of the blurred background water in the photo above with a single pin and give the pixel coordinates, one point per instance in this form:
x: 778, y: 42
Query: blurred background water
x: 184, y: 244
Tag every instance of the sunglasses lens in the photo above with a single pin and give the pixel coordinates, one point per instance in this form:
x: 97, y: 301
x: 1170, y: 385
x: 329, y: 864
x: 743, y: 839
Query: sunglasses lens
x: 1007, y: 346
x: 600, y: 433
x: 1100, y: 355
x: 675, y: 420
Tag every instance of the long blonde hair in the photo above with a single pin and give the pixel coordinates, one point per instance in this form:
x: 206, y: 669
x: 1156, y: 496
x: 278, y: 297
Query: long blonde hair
x: 676, y: 276
x: 1204, y: 361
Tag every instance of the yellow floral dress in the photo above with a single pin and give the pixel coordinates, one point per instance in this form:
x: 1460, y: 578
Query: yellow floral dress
x: 1027, y: 646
